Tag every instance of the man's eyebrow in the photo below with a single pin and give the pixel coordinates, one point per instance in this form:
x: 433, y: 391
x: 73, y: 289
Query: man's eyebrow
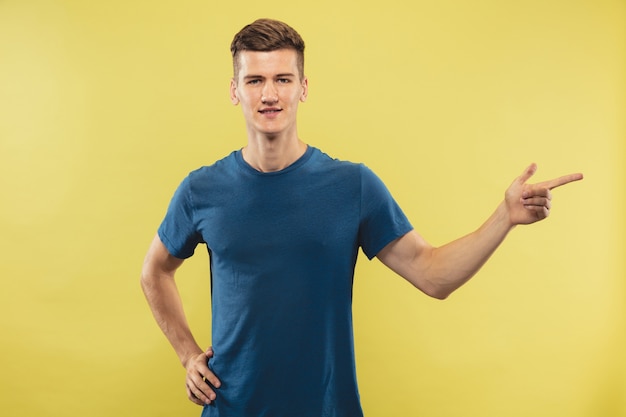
x: 287, y: 74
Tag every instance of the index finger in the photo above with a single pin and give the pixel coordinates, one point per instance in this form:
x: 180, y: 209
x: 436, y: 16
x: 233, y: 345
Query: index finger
x: 565, y: 179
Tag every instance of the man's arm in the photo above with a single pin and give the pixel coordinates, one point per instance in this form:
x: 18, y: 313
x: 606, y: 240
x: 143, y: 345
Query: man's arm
x: 440, y: 271
x: 157, y: 281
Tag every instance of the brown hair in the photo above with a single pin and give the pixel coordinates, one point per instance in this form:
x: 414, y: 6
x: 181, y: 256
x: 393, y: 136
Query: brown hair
x: 265, y: 35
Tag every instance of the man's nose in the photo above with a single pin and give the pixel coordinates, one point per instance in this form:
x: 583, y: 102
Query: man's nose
x: 269, y: 93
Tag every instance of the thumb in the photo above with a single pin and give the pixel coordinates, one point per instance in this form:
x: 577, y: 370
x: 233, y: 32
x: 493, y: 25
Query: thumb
x: 209, y: 352
x: 528, y: 172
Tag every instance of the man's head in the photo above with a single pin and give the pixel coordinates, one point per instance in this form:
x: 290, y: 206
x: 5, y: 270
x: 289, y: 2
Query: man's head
x: 265, y: 35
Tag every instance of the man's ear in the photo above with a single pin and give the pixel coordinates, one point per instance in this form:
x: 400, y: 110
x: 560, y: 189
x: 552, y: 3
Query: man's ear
x: 305, y: 89
x: 234, y: 98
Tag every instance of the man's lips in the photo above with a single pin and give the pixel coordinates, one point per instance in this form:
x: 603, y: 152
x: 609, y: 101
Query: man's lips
x: 270, y: 110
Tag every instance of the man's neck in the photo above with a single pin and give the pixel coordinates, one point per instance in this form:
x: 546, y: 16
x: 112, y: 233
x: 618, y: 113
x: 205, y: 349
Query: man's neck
x: 270, y: 154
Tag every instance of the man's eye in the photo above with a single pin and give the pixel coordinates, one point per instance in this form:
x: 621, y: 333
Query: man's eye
x: 284, y: 80
x: 252, y: 82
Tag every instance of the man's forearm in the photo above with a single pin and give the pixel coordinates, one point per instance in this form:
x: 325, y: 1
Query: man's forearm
x: 167, y: 308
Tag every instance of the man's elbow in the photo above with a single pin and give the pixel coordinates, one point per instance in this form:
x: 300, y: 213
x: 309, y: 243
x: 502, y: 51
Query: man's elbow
x: 144, y: 282
x: 439, y: 295
x: 147, y: 280
x: 439, y: 292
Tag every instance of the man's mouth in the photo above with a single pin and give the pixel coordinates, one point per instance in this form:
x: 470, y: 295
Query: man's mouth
x: 270, y: 111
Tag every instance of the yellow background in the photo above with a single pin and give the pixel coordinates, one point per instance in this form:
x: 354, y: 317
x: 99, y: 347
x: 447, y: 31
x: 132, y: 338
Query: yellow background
x: 105, y: 106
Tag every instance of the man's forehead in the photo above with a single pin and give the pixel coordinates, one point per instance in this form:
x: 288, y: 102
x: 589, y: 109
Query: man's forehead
x: 268, y: 63
x: 279, y: 57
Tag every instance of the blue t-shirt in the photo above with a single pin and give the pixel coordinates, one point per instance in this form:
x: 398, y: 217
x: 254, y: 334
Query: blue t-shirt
x: 283, y: 247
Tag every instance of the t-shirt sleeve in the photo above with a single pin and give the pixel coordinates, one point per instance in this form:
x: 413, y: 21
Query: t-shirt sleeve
x: 381, y: 219
x: 178, y: 231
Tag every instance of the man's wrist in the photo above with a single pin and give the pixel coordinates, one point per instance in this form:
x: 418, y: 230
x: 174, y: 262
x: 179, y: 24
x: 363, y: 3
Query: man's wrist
x: 504, y: 217
x: 188, y: 356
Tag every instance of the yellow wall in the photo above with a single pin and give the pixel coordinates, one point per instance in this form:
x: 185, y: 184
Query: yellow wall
x: 105, y: 106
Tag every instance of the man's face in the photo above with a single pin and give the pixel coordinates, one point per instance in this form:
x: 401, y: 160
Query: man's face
x: 268, y: 87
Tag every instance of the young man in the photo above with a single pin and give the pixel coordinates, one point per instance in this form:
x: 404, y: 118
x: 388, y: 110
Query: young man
x: 283, y: 223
